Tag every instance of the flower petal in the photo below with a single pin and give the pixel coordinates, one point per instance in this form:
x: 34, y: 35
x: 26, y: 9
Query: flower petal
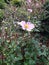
x: 30, y: 10
x: 31, y: 26
x: 23, y: 28
x: 22, y: 23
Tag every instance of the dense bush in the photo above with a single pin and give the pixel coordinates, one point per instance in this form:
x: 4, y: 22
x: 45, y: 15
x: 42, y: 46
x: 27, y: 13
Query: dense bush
x: 45, y: 17
x: 23, y: 43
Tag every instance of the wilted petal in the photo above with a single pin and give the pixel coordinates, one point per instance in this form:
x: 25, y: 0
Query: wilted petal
x: 21, y: 23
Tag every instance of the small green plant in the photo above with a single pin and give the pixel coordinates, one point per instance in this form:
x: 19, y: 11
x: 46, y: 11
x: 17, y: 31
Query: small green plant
x: 16, y: 2
x: 2, y: 4
x: 1, y: 15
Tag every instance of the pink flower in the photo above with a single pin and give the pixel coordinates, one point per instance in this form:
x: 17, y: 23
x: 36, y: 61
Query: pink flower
x: 29, y: 1
x: 37, y: 5
x: 30, y: 10
x: 26, y: 25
